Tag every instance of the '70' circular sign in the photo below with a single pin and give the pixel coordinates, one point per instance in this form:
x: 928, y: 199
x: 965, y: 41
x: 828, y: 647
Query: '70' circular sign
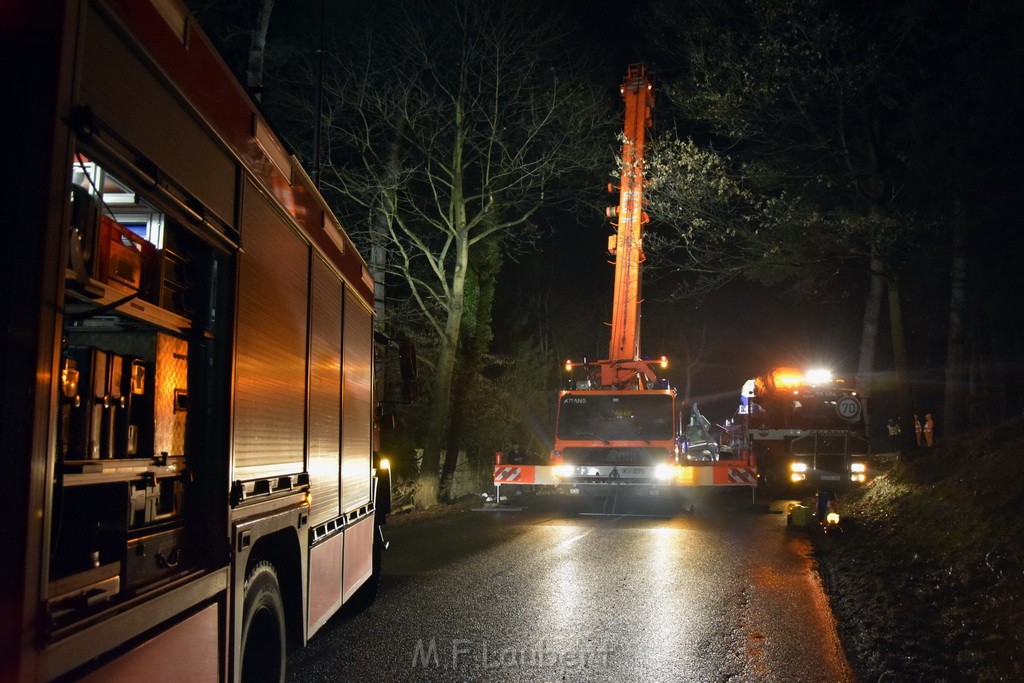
x: 848, y: 407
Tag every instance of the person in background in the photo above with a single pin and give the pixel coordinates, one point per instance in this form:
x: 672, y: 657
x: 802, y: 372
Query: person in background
x: 917, y: 429
x: 929, y: 430
x: 893, y: 427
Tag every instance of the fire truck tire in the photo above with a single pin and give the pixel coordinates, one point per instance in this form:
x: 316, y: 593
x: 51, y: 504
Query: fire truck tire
x: 263, y: 626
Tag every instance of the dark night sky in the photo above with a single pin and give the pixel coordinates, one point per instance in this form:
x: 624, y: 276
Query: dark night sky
x: 750, y: 328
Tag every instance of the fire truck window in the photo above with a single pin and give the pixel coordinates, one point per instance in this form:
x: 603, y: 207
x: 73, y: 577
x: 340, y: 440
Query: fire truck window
x: 119, y: 201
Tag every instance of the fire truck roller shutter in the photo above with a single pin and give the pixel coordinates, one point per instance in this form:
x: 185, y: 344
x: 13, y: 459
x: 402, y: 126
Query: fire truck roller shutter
x: 356, y: 404
x: 270, y: 362
x: 325, y: 393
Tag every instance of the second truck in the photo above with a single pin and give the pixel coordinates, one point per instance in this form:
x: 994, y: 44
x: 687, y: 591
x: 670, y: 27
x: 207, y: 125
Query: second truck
x: 620, y: 428
x: 805, y: 427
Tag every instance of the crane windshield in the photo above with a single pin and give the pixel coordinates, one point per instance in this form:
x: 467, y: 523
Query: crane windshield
x: 629, y: 416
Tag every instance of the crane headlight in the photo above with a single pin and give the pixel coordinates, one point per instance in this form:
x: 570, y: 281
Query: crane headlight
x: 664, y: 471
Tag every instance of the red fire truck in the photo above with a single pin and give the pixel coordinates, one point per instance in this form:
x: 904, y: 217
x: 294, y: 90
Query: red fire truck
x: 805, y: 428
x: 188, y: 460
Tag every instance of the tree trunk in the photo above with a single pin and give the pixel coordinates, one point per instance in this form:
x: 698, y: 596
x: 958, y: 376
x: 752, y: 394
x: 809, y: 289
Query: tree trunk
x: 869, y: 335
x: 257, y: 48
x: 953, y: 412
x: 382, y: 222
x: 453, y: 440
x: 427, y: 484
x: 908, y: 442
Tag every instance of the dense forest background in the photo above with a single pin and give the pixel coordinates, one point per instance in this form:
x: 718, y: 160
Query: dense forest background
x: 831, y: 183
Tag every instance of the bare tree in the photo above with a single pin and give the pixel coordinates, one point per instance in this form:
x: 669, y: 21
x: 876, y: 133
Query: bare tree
x: 257, y: 48
x: 453, y: 122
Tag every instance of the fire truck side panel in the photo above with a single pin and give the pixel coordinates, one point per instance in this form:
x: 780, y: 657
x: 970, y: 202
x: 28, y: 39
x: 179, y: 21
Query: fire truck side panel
x: 356, y: 404
x: 325, y: 589
x: 77, y: 649
x: 160, y: 656
x: 325, y: 394
x: 108, y: 65
x: 166, y: 244
x: 270, y: 366
x: 358, y: 560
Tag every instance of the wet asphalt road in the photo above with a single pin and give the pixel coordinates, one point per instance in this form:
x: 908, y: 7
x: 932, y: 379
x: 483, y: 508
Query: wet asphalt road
x: 725, y: 593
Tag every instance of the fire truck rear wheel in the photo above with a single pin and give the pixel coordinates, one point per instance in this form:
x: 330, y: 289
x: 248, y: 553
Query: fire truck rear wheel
x: 263, y: 629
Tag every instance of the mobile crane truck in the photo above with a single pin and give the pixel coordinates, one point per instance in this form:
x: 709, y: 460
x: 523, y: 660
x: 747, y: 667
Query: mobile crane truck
x: 620, y: 429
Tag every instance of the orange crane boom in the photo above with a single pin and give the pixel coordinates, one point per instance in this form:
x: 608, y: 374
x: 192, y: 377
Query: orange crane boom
x: 627, y: 244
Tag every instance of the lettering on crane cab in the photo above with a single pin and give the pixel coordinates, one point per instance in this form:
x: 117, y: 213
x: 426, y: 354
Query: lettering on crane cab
x: 575, y: 399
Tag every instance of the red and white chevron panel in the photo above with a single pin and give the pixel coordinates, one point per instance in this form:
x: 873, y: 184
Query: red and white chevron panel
x: 508, y: 474
x: 525, y: 474
x: 743, y: 475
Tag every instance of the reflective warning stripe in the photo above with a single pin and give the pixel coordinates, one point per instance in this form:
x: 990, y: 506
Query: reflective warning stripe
x: 525, y: 474
x: 703, y: 474
x: 742, y: 475
x: 506, y: 475
x: 727, y: 474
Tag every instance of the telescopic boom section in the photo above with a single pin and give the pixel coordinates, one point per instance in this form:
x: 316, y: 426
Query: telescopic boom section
x: 627, y: 244
x: 624, y: 365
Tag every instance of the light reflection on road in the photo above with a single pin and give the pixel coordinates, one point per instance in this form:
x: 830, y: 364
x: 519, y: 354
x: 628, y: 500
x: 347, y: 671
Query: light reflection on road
x: 720, y: 595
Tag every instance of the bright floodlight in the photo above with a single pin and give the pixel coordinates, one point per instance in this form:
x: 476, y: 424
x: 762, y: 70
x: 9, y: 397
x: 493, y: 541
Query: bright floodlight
x: 748, y: 388
x: 819, y: 376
